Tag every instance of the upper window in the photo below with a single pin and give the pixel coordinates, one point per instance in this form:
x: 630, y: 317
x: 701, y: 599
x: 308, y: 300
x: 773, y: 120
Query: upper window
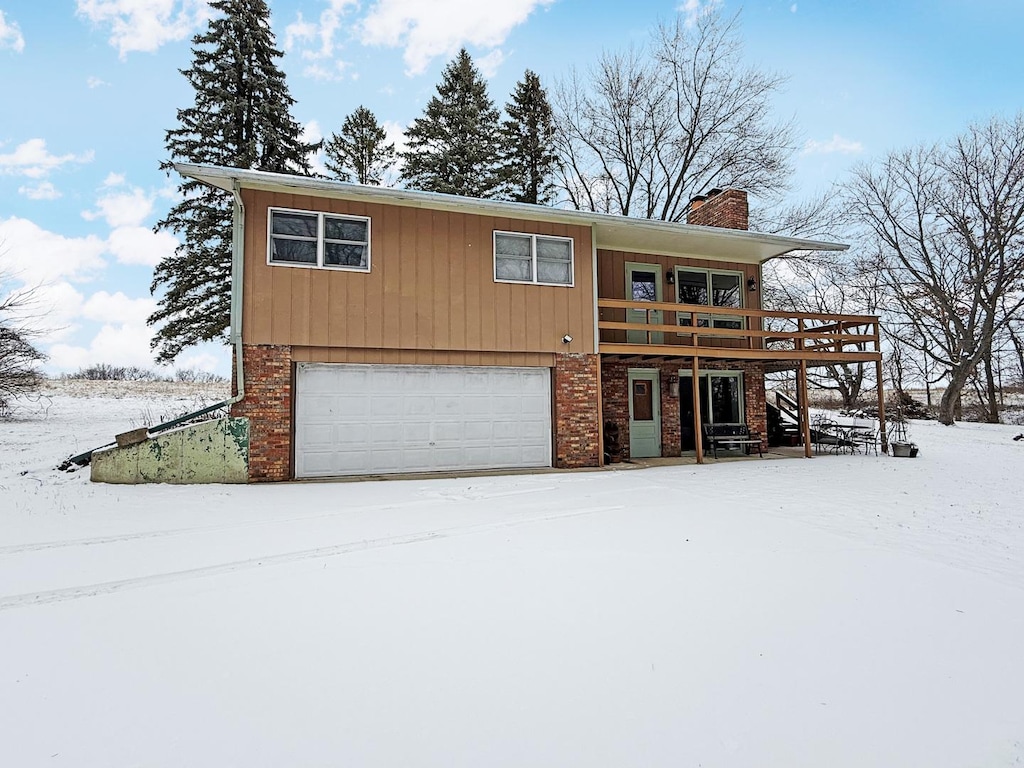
x: 712, y: 289
x: 306, y: 238
x: 540, y: 259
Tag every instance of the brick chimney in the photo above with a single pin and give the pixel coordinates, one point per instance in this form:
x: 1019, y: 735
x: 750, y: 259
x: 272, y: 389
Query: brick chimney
x: 720, y: 208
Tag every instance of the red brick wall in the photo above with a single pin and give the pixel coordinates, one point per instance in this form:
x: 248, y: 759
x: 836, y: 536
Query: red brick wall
x: 727, y: 208
x: 577, y: 425
x: 268, y: 406
x: 615, y: 403
x: 754, y: 403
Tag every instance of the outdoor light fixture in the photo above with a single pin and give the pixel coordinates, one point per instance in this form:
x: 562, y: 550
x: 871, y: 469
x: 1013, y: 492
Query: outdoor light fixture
x: 751, y: 284
x: 567, y: 339
x: 673, y: 388
x: 670, y: 276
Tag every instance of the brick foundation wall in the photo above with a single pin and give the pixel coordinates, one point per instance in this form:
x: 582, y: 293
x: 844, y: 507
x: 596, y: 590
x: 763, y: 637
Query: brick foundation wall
x: 726, y: 208
x: 577, y: 426
x: 268, y: 406
x: 615, y: 400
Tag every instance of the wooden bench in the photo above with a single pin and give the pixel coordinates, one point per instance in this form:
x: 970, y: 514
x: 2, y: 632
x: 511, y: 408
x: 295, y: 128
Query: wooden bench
x: 729, y: 435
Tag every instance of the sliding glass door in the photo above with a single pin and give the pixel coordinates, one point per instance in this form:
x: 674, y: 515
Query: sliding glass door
x: 721, y: 401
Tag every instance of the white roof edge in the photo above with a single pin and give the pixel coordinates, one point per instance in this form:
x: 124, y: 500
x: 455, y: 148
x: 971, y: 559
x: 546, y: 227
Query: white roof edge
x: 222, y: 178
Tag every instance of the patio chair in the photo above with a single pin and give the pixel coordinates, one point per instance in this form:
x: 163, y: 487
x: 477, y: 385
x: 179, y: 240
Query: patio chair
x: 866, y: 439
x: 824, y: 435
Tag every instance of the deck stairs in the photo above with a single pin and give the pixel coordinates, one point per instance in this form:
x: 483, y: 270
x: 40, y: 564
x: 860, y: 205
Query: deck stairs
x: 783, y: 420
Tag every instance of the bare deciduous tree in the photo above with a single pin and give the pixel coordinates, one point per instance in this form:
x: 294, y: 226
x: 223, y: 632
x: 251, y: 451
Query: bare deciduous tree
x: 948, y: 225
x: 826, y: 283
x: 646, y: 130
x: 19, y: 359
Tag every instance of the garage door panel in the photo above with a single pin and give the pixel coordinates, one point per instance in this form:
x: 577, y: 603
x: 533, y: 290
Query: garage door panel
x: 479, y: 431
x: 360, y: 419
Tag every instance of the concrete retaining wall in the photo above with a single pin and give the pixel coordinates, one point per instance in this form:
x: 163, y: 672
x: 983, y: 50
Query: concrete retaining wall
x: 214, y: 451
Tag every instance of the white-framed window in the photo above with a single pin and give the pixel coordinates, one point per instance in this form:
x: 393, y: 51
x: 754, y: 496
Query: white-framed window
x: 711, y: 288
x: 317, y: 239
x: 538, y: 259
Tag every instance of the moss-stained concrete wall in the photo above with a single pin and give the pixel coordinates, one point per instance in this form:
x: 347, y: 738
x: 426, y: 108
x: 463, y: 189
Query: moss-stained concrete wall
x: 210, y: 452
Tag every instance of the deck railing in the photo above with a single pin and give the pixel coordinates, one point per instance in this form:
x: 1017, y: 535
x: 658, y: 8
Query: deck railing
x: 632, y: 327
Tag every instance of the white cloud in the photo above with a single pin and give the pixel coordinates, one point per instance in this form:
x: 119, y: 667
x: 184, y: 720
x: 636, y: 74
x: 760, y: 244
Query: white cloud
x: 694, y: 9
x: 122, y: 339
x: 836, y: 145
x: 328, y: 73
x: 312, y: 133
x: 125, y: 209
x: 33, y: 159
x: 59, y: 306
x: 41, y: 191
x: 118, y: 308
x: 122, y: 209
x: 141, y: 245
x: 203, y: 361
x: 395, y: 134
x: 440, y: 28
x: 145, y: 25
x: 37, y: 256
x: 299, y: 31
x: 792, y: 8
x: 489, y: 64
x: 115, y: 343
x: 94, y: 82
x: 10, y: 35
x: 318, y: 42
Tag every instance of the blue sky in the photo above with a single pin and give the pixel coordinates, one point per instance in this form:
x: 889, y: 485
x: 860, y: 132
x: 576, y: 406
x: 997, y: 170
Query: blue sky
x: 90, y: 86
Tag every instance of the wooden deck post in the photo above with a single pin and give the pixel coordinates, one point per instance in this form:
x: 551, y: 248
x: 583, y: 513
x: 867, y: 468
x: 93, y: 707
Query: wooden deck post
x: 805, y: 419
x: 698, y: 428
x: 882, y: 435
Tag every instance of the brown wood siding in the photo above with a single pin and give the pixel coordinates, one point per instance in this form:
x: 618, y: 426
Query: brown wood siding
x: 611, y: 284
x: 421, y: 357
x: 431, y: 287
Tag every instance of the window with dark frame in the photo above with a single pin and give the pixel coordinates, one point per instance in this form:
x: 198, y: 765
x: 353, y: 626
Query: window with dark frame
x: 710, y: 288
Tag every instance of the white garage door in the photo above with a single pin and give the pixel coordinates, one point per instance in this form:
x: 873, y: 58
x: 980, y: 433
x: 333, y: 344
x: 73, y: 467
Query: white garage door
x: 370, y: 419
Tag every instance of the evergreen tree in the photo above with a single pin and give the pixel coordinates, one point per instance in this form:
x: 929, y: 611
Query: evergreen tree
x: 455, y: 146
x: 241, y: 119
x: 528, y: 135
x: 358, y: 152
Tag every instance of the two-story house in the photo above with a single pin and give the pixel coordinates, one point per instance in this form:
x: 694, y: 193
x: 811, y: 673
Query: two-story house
x: 389, y: 331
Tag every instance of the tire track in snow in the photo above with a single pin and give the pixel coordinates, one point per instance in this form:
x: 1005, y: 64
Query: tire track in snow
x: 430, y: 499
x: 39, y: 546
x: 109, y: 587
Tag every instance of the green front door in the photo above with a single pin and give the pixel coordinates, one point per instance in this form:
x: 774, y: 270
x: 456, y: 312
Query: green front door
x: 644, y: 414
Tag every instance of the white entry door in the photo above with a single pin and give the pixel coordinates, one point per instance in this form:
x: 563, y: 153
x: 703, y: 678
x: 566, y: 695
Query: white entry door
x: 378, y: 419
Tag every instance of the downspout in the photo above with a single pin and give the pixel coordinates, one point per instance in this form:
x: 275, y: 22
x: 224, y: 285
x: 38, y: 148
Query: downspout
x: 237, y: 273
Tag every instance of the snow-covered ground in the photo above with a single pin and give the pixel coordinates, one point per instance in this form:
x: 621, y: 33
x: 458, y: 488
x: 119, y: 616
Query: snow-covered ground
x: 840, y: 611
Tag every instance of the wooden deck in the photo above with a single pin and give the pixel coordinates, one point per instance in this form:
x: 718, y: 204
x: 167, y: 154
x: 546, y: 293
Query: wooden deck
x: 779, y: 340
x: 782, y: 340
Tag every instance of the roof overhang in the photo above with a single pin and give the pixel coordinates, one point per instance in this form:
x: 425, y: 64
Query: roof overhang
x: 619, y: 233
